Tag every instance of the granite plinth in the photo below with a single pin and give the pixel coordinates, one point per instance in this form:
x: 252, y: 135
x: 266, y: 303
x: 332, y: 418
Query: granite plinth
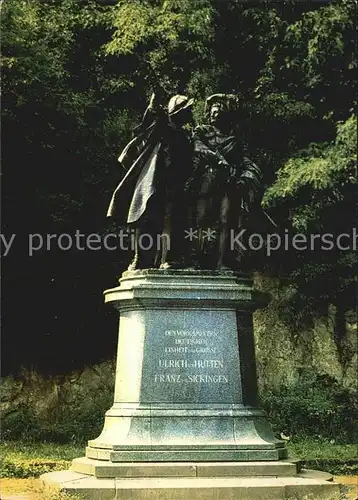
x: 100, y: 469
x: 185, y: 381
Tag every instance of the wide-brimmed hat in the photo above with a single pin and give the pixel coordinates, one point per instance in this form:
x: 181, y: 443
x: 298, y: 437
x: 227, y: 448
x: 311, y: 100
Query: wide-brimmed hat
x: 178, y: 103
x: 230, y: 101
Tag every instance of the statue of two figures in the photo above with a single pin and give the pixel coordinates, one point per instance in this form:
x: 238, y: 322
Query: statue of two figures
x: 190, y: 193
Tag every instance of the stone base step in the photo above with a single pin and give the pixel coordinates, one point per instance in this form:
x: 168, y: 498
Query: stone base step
x: 195, y: 488
x: 102, y: 469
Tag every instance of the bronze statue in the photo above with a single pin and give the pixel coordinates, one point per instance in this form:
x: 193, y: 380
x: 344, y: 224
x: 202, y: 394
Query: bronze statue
x: 225, y: 181
x: 150, y: 197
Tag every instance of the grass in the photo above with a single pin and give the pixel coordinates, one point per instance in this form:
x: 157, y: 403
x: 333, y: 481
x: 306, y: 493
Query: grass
x: 310, y: 449
x: 34, y: 450
x: 337, y: 459
x: 25, y: 459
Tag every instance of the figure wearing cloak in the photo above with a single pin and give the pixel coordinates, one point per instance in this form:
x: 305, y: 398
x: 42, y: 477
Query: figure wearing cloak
x: 226, y: 180
x: 148, y: 198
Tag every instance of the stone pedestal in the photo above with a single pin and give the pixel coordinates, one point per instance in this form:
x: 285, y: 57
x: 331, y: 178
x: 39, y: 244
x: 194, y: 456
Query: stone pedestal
x: 185, y: 422
x: 185, y: 381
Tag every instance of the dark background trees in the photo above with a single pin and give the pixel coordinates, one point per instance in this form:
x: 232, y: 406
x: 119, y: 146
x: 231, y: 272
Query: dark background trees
x: 76, y: 77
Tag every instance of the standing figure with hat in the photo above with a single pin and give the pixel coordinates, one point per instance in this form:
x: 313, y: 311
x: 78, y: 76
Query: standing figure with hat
x: 225, y: 181
x: 149, y: 198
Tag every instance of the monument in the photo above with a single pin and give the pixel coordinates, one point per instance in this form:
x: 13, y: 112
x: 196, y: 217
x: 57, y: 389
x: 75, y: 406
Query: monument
x: 185, y: 423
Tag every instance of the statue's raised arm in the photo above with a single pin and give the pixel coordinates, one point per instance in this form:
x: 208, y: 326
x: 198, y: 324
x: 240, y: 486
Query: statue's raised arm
x: 149, y: 197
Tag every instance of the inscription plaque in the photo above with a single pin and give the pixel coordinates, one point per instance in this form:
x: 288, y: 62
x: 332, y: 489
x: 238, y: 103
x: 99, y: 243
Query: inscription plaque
x: 183, y: 359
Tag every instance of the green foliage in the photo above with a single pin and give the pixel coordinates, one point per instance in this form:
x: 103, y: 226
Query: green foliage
x: 72, y: 416
x: 314, y: 57
x: 321, y: 42
x: 317, y: 187
x: 40, y: 450
x: 54, y: 105
x: 327, y: 168
x: 20, y: 468
x: 165, y: 38
x: 321, y: 449
x: 314, y: 287
x: 334, y: 466
x: 37, y: 44
x: 321, y: 454
x: 316, y: 407
x: 64, y: 427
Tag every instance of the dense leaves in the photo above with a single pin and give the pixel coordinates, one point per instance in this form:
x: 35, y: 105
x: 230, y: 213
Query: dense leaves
x: 77, y: 75
x: 324, y: 172
x: 317, y: 406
